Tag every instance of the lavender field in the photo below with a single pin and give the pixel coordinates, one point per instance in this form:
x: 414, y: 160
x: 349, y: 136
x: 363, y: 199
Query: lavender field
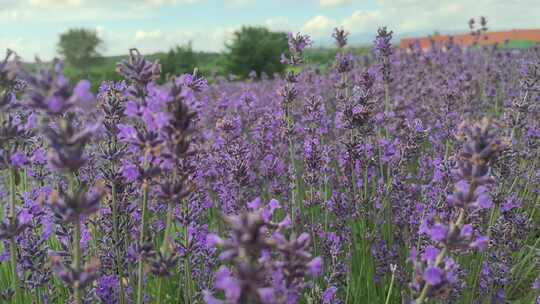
x: 403, y: 176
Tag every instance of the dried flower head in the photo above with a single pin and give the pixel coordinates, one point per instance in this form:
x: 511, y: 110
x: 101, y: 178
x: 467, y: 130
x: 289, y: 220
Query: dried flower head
x: 340, y: 37
x: 71, y: 206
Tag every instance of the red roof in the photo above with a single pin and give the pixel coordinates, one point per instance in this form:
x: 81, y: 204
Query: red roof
x: 468, y: 39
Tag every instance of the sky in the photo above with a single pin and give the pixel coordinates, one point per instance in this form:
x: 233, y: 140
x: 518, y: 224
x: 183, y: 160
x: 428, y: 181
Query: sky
x: 32, y: 27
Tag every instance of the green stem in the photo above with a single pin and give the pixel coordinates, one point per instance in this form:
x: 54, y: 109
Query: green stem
x: 444, y: 251
x: 187, y: 268
x: 142, y: 236
x: 295, y: 185
x: 77, y: 258
x: 116, y: 236
x: 76, y: 246
x: 391, y: 285
x: 168, y: 226
x: 289, y: 125
x: 425, y: 290
x: 514, y: 128
x: 165, y: 247
x: 386, y: 97
x: 25, y: 180
x: 159, y: 290
x: 13, y: 243
x: 312, y: 194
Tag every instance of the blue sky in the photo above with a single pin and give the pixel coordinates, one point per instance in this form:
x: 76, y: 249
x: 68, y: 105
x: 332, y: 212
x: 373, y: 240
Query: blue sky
x: 32, y: 27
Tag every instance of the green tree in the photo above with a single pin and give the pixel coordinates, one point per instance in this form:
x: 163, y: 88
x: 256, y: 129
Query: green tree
x: 256, y: 49
x: 80, y: 48
x: 179, y: 60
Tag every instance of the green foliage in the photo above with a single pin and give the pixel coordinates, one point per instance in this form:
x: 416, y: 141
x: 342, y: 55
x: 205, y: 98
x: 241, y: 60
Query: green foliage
x: 212, y: 64
x: 80, y: 48
x: 323, y: 58
x: 519, y: 44
x: 179, y: 60
x: 95, y: 74
x: 183, y: 59
x: 256, y: 49
x: 209, y: 64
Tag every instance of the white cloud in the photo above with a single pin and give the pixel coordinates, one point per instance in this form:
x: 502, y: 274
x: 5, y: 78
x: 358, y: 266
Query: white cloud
x: 333, y: 3
x: 119, y: 42
x: 100, y: 31
x: 58, y: 11
x: 159, y: 2
x: 149, y: 4
x: 10, y: 15
x: 363, y: 21
x: 154, y: 41
x: 278, y: 24
x: 25, y: 48
x: 239, y: 3
x: 404, y: 17
x: 13, y: 44
x: 49, y: 4
x: 318, y: 26
x: 151, y: 35
x: 410, y: 16
x: 160, y: 41
x: 55, y: 11
x: 216, y: 39
x: 8, y: 4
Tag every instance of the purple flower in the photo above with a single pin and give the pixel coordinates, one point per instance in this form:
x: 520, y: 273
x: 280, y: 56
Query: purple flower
x: 126, y: 132
x: 466, y: 231
x: 130, y: 172
x: 273, y: 205
x: 438, y: 232
x: 18, y: 160
x: 209, y: 298
x: 315, y: 267
x: 132, y: 109
x: 340, y: 37
x: 161, y: 119
x: 107, y: 288
x: 480, y: 243
x: 433, y: 275
x: 329, y: 295
x: 82, y: 94
x: 285, y: 223
x: 536, y: 284
x: 31, y: 122
x: 39, y: 157
x: 226, y: 282
x: 383, y: 51
x: 297, y: 44
x: 25, y: 216
x: 213, y: 240
x: 193, y: 82
x: 430, y: 254
x: 255, y: 204
x: 267, y: 295
x: 485, y: 202
x: 56, y: 104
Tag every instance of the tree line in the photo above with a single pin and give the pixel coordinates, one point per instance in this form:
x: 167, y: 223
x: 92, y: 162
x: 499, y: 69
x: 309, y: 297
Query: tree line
x: 252, y: 49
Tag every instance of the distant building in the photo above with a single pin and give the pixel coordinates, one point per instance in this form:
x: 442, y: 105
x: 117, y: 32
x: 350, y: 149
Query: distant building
x: 489, y: 38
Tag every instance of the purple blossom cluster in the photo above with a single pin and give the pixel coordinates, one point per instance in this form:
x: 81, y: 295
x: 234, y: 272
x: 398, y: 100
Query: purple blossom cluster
x: 399, y: 176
